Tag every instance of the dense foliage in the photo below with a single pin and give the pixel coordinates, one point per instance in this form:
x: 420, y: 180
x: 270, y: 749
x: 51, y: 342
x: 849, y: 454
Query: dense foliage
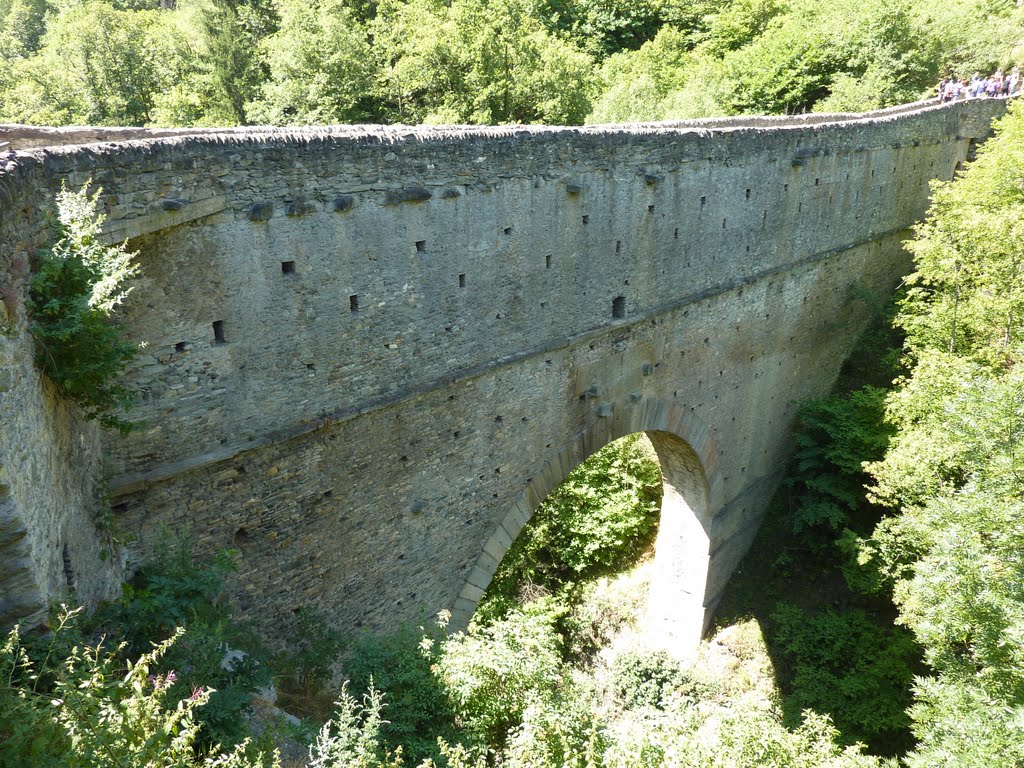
x: 227, y: 62
x: 851, y: 665
x: 69, y: 703
x: 834, y: 437
x: 77, y: 285
x: 953, y: 556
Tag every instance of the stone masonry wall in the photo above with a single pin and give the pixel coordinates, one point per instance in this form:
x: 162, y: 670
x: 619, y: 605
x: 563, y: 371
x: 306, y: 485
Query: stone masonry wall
x: 366, y: 346
x: 50, y: 461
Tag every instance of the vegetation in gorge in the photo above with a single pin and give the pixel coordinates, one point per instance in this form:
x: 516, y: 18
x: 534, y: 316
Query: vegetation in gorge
x: 952, y: 557
x: 237, y: 62
x: 828, y: 629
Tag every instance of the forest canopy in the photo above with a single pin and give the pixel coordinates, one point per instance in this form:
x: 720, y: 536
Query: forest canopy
x: 298, y: 62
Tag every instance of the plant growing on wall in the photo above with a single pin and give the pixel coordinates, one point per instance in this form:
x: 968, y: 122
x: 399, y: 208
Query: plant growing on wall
x: 72, y: 296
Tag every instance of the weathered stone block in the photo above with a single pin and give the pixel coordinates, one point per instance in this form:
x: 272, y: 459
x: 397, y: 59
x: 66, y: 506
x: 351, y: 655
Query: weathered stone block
x: 407, y: 195
x: 299, y: 208
x: 262, y: 211
x: 343, y: 203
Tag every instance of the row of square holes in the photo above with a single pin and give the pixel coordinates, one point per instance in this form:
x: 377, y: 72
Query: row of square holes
x: 618, y: 312
x: 288, y: 268
x: 618, y: 303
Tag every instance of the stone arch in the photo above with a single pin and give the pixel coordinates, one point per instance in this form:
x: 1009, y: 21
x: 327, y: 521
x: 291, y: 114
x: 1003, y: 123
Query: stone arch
x: 679, y: 608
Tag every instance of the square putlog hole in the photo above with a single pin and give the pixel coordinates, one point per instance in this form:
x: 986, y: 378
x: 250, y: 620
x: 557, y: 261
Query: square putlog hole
x: 421, y: 246
x: 287, y: 267
x: 619, y: 307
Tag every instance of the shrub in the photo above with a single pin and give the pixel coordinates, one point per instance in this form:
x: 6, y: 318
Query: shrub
x: 71, y: 299
x: 351, y: 739
x: 170, y: 590
x: 492, y: 673
x: 418, y: 710
x: 173, y: 591
x: 87, y: 708
x: 645, y: 679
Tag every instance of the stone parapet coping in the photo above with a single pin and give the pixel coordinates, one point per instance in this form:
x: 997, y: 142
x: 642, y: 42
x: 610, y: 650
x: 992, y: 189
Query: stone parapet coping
x: 27, y: 137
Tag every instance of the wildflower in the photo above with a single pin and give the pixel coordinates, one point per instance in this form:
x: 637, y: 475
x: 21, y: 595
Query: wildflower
x: 162, y: 682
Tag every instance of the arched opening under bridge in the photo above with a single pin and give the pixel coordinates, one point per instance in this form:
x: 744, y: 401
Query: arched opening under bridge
x: 678, y: 603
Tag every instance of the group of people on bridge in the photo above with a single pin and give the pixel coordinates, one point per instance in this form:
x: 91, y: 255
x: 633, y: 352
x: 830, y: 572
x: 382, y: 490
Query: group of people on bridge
x: 997, y: 84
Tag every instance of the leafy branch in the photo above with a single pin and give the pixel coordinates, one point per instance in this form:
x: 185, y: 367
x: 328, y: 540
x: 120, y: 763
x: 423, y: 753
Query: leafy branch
x: 72, y: 297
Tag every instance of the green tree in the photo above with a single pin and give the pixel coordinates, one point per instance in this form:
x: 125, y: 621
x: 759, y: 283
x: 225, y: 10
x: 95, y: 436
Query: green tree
x: 731, y: 735
x: 738, y: 24
x: 218, y: 61
x: 973, y: 35
x: 22, y: 23
x: 636, y: 84
x: 96, y: 65
x: 953, y: 554
x: 319, y: 66
x: 616, y: 25
x: 967, y: 295
x: 478, y: 61
x: 75, y: 290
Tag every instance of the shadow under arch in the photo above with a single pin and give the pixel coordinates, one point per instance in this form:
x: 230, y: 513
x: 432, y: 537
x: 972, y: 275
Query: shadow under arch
x: 679, y: 608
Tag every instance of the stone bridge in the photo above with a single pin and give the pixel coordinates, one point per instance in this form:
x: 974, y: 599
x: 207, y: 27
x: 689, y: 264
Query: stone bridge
x: 371, y: 352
